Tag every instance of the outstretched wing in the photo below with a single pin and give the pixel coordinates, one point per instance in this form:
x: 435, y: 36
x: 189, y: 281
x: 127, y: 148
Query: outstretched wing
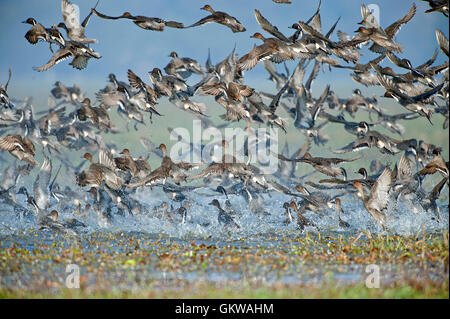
x: 60, y: 55
x: 379, y: 197
x: 71, y: 15
x: 268, y: 27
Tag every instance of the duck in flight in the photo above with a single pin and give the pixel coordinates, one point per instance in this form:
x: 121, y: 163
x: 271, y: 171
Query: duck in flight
x: 146, y: 23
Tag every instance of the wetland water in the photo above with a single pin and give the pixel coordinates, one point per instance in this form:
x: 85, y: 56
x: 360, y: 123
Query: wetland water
x: 133, y: 253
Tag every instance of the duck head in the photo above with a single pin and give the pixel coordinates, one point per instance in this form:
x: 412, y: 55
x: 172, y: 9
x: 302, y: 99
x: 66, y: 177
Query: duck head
x: 125, y: 151
x: 87, y: 101
x: 157, y: 72
x: 222, y: 190
x: 362, y: 30
x: 295, y: 26
x: 88, y: 156
x: 343, y: 173
x: 173, y: 54
x: 359, y: 187
x: 208, y: 8
x: 30, y: 21
x: 363, y: 128
x: 362, y: 171
x: 53, y: 215
x: 302, y: 190
x: 215, y: 202
x: 293, y: 205
x: 126, y: 15
x: 163, y: 148
x: 258, y: 35
x: 63, y: 26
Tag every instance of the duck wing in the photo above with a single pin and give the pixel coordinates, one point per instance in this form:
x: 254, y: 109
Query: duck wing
x: 80, y: 62
x: 60, y: 55
x: 71, y: 16
x: 207, y: 19
x: 442, y: 41
x: 104, y: 16
x: 86, y: 20
x: 268, y: 27
x: 379, y: 197
x: 41, y: 185
x: 392, y: 30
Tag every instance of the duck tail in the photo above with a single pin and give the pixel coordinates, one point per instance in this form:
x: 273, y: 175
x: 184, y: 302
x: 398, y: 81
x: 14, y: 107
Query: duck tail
x: 174, y: 24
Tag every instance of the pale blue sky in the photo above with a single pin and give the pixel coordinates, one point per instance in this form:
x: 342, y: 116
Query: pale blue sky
x: 123, y: 45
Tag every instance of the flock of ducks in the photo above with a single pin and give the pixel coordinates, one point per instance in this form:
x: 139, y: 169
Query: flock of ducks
x: 108, y: 186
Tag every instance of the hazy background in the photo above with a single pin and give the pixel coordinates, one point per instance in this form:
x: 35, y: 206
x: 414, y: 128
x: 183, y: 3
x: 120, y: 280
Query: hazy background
x: 124, y: 46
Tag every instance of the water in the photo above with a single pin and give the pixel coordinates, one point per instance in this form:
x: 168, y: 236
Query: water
x: 264, y: 216
x: 133, y: 253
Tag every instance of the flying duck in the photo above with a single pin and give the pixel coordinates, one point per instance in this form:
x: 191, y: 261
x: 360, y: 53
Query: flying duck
x: 219, y: 17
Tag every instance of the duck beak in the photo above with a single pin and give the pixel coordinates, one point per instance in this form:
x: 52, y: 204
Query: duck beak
x: 210, y: 203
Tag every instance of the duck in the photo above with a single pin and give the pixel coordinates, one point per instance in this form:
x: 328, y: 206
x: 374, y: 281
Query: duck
x: 321, y: 164
x: 383, y: 143
x: 272, y: 48
x: 438, y: 6
x: 221, y: 18
x: 146, y: 23
x: 412, y: 103
x: 268, y: 27
x: 72, y: 95
x: 39, y: 33
x: 228, y: 206
x: 20, y: 147
x: 355, y: 128
x: 136, y: 82
x: 4, y: 98
x: 167, y: 85
x: 378, y: 199
x: 102, y: 206
x: 390, y: 31
x: 183, y: 66
x: 228, y: 165
x: 342, y: 223
x: 179, y: 215
x: 50, y: 222
x: 103, y: 171
x: 224, y: 218
x: 184, y: 103
x: 302, y: 221
x: 168, y: 169
x: 138, y: 167
x: 378, y: 37
x: 231, y: 90
x: 80, y: 53
x: 316, y: 201
x: 289, y: 219
x: 437, y: 164
x: 71, y: 16
x: 97, y: 115
x: 390, y: 122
